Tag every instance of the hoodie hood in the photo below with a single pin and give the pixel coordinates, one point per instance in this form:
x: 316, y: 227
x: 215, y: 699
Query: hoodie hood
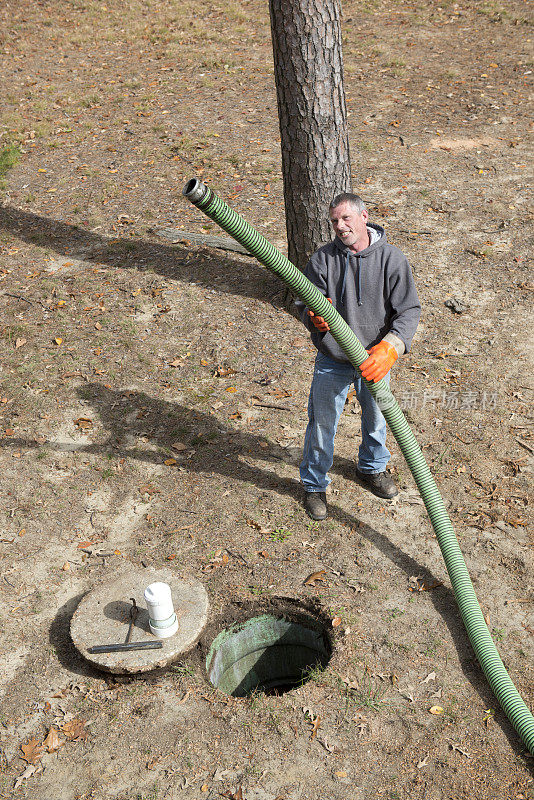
x: 377, y: 238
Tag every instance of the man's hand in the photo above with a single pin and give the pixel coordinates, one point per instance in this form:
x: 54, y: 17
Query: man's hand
x: 319, y: 322
x: 381, y: 358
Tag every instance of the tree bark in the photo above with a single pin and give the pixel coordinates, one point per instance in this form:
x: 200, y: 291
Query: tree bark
x: 308, y: 65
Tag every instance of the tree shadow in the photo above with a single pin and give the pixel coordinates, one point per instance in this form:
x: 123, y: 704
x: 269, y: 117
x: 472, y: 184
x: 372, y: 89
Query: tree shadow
x: 206, y: 267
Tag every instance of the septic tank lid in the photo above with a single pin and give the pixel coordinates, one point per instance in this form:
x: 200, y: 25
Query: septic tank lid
x: 103, y: 617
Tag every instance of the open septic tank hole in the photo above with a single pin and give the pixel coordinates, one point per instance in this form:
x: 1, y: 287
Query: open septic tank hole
x: 267, y: 653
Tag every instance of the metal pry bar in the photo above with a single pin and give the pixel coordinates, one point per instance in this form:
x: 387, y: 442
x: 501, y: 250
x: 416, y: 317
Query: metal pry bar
x: 121, y: 648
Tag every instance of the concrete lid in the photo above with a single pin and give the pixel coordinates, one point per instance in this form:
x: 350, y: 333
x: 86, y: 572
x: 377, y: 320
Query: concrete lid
x: 103, y: 617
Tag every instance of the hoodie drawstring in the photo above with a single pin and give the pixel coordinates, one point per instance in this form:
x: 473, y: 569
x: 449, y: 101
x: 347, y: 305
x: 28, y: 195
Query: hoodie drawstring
x: 358, y: 280
x: 342, y: 296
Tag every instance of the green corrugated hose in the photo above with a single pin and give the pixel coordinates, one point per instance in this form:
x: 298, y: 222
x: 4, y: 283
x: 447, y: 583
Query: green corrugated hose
x: 505, y: 692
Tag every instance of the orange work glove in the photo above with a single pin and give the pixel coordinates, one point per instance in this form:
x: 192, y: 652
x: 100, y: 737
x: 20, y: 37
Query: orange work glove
x: 381, y: 358
x: 319, y: 322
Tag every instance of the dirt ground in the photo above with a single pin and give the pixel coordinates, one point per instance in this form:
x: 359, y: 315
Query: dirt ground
x: 153, y: 401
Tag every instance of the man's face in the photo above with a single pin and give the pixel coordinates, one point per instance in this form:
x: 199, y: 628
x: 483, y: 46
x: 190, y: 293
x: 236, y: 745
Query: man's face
x: 350, y: 226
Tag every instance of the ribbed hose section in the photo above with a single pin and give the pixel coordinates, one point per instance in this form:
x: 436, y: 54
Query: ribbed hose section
x: 477, y: 630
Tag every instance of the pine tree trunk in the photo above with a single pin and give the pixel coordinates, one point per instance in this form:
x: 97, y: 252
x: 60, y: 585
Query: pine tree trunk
x: 308, y: 67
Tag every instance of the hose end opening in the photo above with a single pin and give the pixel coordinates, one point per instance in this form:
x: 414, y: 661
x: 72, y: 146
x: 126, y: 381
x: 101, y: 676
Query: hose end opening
x: 195, y: 190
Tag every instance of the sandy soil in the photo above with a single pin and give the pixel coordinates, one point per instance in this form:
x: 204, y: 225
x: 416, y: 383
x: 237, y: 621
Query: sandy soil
x: 121, y: 352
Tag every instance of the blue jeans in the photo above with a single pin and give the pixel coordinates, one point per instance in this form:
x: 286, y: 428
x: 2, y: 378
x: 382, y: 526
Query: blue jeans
x: 330, y: 385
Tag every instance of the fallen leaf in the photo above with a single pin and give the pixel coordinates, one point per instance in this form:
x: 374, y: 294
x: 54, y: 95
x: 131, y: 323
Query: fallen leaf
x: 220, y: 557
x: 28, y: 772
x: 148, y: 489
x: 231, y: 389
x: 32, y: 751
x: 315, y: 726
x: 437, y: 694
x: 19, y: 343
x: 258, y: 527
x: 170, y: 462
x: 52, y: 741
x: 336, y: 621
x: 75, y: 730
x: 350, y: 684
x: 98, y: 326
x: 222, y: 372
x: 488, y: 717
x: 423, y: 762
x: 237, y: 795
x: 184, y: 698
x: 340, y: 773
x: 419, y: 585
x: 314, y: 577
x: 178, y: 446
x: 83, y: 423
x: 66, y: 567
x: 326, y: 744
x: 458, y: 749
x: 430, y: 677
x: 362, y: 726
x: 436, y: 710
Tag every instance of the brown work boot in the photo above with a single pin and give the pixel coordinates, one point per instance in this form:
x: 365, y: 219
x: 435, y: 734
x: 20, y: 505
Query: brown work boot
x: 380, y: 484
x: 315, y: 505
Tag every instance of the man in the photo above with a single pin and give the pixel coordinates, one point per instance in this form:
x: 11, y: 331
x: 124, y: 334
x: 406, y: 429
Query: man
x: 370, y: 284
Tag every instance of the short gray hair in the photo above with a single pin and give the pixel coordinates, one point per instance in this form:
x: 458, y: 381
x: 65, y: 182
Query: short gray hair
x: 354, y: 200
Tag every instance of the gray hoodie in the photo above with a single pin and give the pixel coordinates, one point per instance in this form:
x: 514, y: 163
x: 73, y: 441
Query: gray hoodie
x: 373, y: 290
